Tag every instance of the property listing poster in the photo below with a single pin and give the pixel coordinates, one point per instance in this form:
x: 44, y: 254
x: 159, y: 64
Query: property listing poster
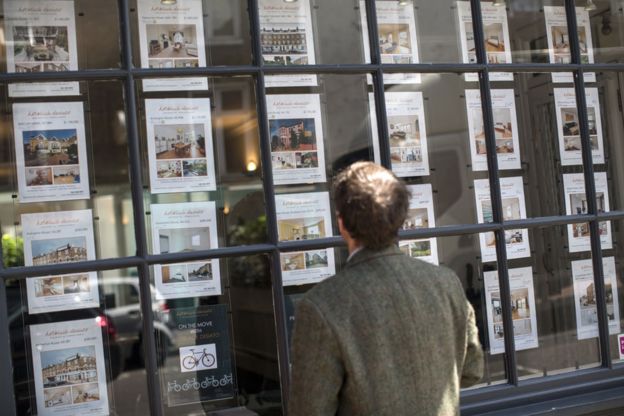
x: 69, y: 371
x: 585, y: 297
x: 172, y: 36
x: 179, y: 143
x: 522, y: 306
x: 406, y: 130
x: 559, y: 41
x: 568, y: 128
x: 505, y: 129
x: 201, y: 369
x: 512, y: 193
x: 576, y: 204
x: 50, y: 149
x: 296, y: 131
x: 184, y: 227
x: 305, y: 216
x: 287, y: 38
x: 396, y: 26
x: 40, y: 36
x: 55, y: 238
x: 496, y: 37
x: 420, y: 215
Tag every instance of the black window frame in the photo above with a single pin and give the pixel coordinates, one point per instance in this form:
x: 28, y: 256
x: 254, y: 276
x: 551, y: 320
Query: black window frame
x: 490, y: 398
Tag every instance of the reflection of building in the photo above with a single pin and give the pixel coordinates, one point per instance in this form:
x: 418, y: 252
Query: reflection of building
x: 287, y: 132
x: 286, y: 41
x: 64, y: 254
x: 75, y: 369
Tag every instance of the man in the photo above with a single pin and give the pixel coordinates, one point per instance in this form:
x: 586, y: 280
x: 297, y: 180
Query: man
x: 388, y: 335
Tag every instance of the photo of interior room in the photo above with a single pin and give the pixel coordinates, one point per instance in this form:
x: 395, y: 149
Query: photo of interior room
x: 406, y: 154
x: 502, y: 128
x: 76, y: 283
x: 175, y: 273
x: 40, y: 43
x: 404, y: 130
x: 171, y: 41
x: 169, y: 169
x: 578, y: 203
x: 306, y: 160
x: 179, y: 240
x: 48, y: 286
x: 292, y: 261
x: 38, y: 176
x: 301, y: 228
x: 494, y: 37
x: 520, y: 303
x: 179, y: 141
x: 470, y: 42
x: 66, y: 174
x: 416, y: 218
x: 394, y: 39
x: 283, y: 160
x: 561, y: 40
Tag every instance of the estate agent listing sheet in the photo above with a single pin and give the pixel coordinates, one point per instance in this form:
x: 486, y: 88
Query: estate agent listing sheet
x: 305, y: 216
x: 50, y: 149
x: 40, y: 36
x: 576, y: 204
x: 184, y: 227
x: 496, y: 37
x: 505, y: 129
x: 559, y: 41
x: 296, y: 130
x: 56, y: 238
x: 512, y: 193
x: 287, y: 38
x: 172, y: 36
x: 398, y: 44
x: 69, y: 371
x: 585, y: 297
x: 569, y: 130
x: 407, y: 133
x: 179, y: 143
x: 523, y: 310
x: 420, y: 215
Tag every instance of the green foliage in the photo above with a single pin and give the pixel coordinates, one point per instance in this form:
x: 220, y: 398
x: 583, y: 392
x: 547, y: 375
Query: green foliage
x: 12, y: 250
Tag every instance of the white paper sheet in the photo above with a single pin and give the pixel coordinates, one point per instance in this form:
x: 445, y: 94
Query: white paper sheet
x: 585, y: 297
x: 505, y: 128
x: 512, y: 193
x: 69, y: 371
x: 305, y: 216
x: 576, y: 203
x: 50, y: 151
x: 179, y: 142
x: 420, y: 215
x: 183, y: 227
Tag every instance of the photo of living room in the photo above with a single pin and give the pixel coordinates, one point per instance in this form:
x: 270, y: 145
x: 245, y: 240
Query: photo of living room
x: 283, y: 160
x: 394, y: 39
x: 301, y: 228
x: 38, y: 176
x: 40, y: 43
x: 179, y: 141
x: 172, y: 42
x: 174, y: 273
x: 416, y: 218
x: 502, y: 128
x: 520, y: 311
x: 64, y: 175
x: 48, y: 286
x: 169, y: 169
x: 495, y: 43
x: 179, y: 240
x: 403, y: 130
x: 292, y: 261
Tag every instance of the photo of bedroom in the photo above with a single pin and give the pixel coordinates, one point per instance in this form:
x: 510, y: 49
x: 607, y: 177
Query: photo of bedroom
x: 171, y: 41
x: 502, y: 128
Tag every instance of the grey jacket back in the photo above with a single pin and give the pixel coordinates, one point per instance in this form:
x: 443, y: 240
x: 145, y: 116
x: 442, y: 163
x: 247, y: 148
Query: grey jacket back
x: 388, y: 335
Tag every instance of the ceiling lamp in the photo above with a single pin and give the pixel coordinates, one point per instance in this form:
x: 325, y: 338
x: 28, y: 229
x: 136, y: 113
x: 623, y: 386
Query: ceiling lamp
x: 589, y: 6
x: 290, y: 1
x: 498, y: 3
x: 403, y: 2
x: 168, y: 2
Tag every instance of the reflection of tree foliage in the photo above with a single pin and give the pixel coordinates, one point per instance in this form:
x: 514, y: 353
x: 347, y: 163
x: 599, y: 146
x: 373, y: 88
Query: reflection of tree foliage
x: 12, y: 251
x: 72, y: 152
x: 252, y: 270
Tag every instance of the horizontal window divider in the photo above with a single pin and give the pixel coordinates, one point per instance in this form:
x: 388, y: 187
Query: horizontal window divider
x: 210, y: 254
x: 310, y: 244
x: 80, y: 75
x: 610, y: 216
x: 448, y: 230
x: 540, y: 389
x: 66, y: 268
x: 201, y: 71
x: 548, y: 221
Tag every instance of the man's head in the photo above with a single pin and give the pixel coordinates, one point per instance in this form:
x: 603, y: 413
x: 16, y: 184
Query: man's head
x: 371, y: 203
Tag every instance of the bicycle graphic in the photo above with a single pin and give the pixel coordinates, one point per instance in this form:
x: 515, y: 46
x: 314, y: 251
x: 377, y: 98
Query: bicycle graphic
x: 195, y: 358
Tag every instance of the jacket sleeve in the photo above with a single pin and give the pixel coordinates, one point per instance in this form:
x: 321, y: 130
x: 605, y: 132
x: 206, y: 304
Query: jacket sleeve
x: 473, y: 361
x: 317, y: 368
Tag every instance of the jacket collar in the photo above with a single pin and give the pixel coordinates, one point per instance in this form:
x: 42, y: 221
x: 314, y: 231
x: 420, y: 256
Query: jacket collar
x: 367, y: 254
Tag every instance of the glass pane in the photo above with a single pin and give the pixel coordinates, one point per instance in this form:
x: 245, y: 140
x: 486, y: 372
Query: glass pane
x: 222, y: 350
x: 53, y: 169
x: 615, y: 300
x: 72, y: 35
x: 606, y: 23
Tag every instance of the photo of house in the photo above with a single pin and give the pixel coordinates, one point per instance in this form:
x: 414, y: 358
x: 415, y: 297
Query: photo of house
x: 283, y: 41
x: 59, y: 250
x: 76, y: 283
x: 301, y: 228
x: 39, y: 176
x: 175, y: 273
x: 283, y: 160
x: 292, y: 134
x: 503, y: 130
x: 421, y: 248
x: 172, y: 42
x: 179, y: 141
x: 197, y: 167
x: 178, y: 240
x: 171, y: 169
x: 416, y: 218
x: 48, y: 286
x: 74, y: 365
x: 404, y: 131
x: 40, y: 43
x: 285, y: 60
x: 394, y: 39
x: 199, y: 271
x: 306, y: 160
x: 315, y: 259
x: 50, y: 147
x: 292, y: 261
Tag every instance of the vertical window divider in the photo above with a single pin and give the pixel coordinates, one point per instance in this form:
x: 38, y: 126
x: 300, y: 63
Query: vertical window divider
x: 271, y: 211
x: 149, y: 344
x: 7, y: 394
x: 495, y: 193
x: 590, y: 186
x: 378, y: 84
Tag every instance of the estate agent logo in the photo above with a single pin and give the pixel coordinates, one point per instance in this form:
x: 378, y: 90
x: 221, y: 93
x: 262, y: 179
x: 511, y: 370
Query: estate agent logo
x: 198, y: 358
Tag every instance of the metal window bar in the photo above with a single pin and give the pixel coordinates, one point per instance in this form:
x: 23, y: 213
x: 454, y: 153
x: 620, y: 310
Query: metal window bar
x: 142, y: 261
x: 590, y: 186
x: 7, y: 394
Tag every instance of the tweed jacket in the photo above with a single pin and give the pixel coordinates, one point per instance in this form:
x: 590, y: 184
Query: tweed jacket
x: 388, y: 335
